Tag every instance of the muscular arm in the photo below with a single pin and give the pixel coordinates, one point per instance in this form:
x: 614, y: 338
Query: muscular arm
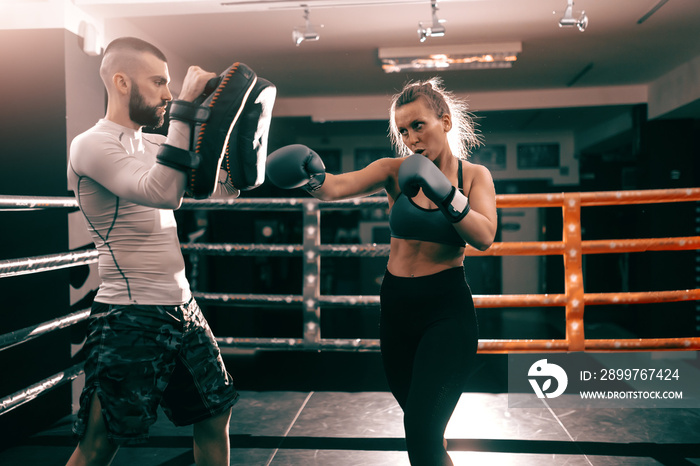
x: 101, y: 157
x: 378, y: 175
x: 478, y: 227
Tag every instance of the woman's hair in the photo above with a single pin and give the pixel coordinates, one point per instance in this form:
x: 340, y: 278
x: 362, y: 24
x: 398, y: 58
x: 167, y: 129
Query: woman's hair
x: 462, y: 138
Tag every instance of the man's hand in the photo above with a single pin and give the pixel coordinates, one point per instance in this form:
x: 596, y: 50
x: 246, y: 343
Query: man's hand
x: 194, y: 83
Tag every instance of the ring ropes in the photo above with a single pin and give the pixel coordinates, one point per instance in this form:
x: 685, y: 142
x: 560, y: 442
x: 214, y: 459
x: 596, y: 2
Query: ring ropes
x: 572, y: 247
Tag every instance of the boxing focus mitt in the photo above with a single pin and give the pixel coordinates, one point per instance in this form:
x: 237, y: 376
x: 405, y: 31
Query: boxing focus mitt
x: 230, y: 121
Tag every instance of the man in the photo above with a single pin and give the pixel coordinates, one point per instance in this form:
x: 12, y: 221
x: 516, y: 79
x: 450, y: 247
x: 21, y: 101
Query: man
x: 148, y: 343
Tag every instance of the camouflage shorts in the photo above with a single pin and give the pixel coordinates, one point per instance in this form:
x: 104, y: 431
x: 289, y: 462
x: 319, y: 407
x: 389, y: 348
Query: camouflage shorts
x: 139, y: 357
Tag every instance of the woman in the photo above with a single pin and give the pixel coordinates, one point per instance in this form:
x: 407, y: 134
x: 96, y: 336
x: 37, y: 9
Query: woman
x: 428, y: 327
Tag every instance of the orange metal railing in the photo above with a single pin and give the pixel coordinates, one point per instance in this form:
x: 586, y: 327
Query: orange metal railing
x: 572, y: 248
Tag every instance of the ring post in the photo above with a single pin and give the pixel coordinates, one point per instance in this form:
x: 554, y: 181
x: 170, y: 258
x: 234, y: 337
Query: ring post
x: 573, y: 271
x: 311, y: 290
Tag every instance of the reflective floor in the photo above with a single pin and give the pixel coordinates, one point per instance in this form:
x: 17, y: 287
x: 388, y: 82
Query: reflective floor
x: 333, y: 428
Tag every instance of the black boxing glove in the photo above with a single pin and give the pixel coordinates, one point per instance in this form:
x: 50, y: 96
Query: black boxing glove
x: 296, y: 166
x: 418, y: 172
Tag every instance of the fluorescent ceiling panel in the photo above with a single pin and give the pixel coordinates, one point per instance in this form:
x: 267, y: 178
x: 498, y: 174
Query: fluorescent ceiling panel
x: 449, y: 57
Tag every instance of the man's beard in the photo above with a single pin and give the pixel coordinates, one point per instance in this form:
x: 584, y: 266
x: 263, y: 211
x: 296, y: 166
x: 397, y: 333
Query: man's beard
x: 143, y: 114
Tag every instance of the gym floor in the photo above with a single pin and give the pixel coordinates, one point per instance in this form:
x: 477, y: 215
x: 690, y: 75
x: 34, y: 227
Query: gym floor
x: 365, y: 428
x: 334, y: 409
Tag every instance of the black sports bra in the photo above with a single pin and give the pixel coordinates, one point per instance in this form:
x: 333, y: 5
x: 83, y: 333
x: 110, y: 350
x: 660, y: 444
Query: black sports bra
x: 410, y: 221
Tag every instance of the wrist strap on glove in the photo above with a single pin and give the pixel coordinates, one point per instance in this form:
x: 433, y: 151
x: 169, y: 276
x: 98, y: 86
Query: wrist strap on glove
x: 179, y: 159
x: 189, y: 112
x: 456, y: 206
x: 315, y: 182
x: 174, y: 157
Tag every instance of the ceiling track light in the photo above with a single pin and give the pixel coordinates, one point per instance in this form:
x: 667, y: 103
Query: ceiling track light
x: 568, y: 19
x: 308, y: 32
x: 435, y: 29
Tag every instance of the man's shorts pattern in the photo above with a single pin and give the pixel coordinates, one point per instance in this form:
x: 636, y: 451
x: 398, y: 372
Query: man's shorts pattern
x: 139, y: 357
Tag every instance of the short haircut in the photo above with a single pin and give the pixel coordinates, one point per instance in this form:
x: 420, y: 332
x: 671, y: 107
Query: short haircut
x: 133, y: 43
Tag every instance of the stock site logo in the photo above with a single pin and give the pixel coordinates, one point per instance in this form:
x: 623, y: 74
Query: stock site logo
x: 543, y: 371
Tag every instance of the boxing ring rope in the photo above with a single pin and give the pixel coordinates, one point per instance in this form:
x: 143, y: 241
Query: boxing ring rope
x: 572, y: 248
x: 36, y: 264
x: 26, y: 395
x: 11, y: 339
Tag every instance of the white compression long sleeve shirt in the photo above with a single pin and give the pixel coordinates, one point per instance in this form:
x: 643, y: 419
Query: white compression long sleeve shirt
x: 127, y: 200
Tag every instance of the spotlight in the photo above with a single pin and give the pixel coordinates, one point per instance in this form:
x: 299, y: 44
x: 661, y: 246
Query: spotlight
x: 435, y: 29
x: 308, y: 33
x: 568, y: 19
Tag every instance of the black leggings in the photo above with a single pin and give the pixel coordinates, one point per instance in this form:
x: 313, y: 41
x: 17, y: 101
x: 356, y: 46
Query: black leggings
x: 429, y: 337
